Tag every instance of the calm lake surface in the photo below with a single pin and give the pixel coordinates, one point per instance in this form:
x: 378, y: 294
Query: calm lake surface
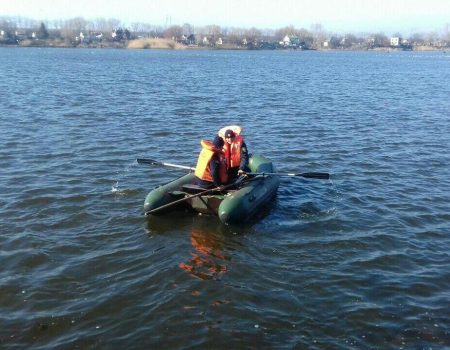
x: 358, y: 262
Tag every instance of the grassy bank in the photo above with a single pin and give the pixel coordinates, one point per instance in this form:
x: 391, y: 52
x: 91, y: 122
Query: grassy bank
x: 154, y: 43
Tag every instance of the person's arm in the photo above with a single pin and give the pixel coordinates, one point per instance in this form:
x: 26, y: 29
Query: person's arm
x: 214, y: 165
x: 244, y: 158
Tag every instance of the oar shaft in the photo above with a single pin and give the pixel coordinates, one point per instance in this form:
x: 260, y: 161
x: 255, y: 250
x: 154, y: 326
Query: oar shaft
x: 155, y: 162
x: 306, y: 175
x: 220, y: 188
x: 181, y: 200
x: 178, y: 166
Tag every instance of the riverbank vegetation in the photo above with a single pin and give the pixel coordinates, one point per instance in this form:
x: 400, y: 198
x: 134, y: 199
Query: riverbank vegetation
x: 154, y: 43
x: 102, y: 33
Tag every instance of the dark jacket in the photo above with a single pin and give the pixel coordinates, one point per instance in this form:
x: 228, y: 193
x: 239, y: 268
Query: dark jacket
x: 233, y: 172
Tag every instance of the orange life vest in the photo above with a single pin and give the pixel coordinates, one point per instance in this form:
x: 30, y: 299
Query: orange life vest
x: 202, y: 170
x: 233, y: 151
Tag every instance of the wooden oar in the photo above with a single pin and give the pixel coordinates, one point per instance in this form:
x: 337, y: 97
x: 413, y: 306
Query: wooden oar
x: 306, y: 175
x: 155, y: 162
x: 220, y: 188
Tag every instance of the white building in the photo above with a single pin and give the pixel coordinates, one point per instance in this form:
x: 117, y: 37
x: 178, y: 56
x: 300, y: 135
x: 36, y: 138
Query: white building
x: 395, y: 41
x: 290, y: 40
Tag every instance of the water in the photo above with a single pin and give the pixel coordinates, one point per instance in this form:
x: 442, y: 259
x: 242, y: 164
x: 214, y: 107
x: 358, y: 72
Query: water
x: 358, y: 262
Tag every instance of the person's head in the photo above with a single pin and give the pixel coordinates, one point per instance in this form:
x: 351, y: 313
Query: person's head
x: 218, y: 142
x: 229, y: 136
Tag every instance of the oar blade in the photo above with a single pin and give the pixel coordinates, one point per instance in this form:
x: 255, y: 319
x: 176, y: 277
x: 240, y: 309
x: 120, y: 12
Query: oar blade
x: 324, y: 176
x: 147, y: 161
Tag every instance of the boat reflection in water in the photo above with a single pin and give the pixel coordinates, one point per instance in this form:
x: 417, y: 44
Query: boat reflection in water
x: 208, y: 260
x: 208, y: 238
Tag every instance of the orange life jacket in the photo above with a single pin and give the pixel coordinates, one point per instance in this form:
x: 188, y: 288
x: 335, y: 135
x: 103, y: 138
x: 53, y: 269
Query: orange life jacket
x: 233, y: 151
x: 202, y: 170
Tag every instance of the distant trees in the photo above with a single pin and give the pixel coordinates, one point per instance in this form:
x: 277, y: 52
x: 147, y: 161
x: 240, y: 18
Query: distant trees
x: 175, y: 32
x: 306, y: 38
x: 282, y: 32
x: 236, y: 36
x: 446, y: 33
x: 417, y: 38
x: 146, y: 30
x: 77, y: 30
x: 8, y: 27
x: 42, y: 32
x: 349, y: 40
x: 380, y: 40
x: 187, y: 29
x: 120, y: 34
x: 335, y: 41
x: 253, y: 34
x: 212, y: 31
x: 72, y: 27
x: 319, y: 35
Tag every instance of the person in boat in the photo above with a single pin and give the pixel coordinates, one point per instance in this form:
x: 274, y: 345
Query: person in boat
x: 236, y: 153
x: 211, y: 169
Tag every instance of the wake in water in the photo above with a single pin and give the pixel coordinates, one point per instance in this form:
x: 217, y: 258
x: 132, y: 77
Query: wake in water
x: 323, y: 203
x: 121, y: 177
x: 306, y: 202
x: 311, y: 211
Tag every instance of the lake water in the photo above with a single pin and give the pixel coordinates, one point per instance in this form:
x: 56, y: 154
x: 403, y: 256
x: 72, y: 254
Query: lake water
x: 358, y: 262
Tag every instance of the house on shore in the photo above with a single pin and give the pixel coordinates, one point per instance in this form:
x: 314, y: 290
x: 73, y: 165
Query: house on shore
x: 290, y: 41
x: 395, y: 41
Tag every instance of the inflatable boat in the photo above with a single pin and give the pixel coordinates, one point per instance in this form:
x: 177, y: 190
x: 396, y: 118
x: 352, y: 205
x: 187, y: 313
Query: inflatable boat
x: 233, y: 205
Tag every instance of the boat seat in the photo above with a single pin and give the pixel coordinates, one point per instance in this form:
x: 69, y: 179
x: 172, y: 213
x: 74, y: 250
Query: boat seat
x: 193, y: 189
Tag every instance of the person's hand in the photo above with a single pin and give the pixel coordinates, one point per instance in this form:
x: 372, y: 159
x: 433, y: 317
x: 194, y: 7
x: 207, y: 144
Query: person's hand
x: 241, y: 172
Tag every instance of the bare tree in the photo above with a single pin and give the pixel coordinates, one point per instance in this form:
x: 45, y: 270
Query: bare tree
x: 72, y: 27
x: 336, y: 41
x: 306, y: 38
x: 282, y: 32
x: 253, y: 34
x: 8, y: 24
x: 236, y: 36
x: 417, y: 39
x: 349, y: 40
x: 431, y: 38
x: 319, y: 35
x: 446, y: 33
x: 173, y: 32
x: 380, y: 40
x: 187, y: 29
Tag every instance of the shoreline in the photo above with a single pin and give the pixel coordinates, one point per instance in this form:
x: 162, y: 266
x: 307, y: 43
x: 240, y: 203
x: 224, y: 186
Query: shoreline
x: 167, y: 44
x: 118, y: 47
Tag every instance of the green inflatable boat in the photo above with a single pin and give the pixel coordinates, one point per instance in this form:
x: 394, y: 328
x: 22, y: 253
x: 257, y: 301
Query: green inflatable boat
x: 232, y: 206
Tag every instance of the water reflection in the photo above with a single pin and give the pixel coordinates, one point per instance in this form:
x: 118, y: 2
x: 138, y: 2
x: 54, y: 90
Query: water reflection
x: 208, y: 260
x: 208, y: 238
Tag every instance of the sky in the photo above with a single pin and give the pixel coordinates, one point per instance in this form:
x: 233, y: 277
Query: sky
x: 356, y: 16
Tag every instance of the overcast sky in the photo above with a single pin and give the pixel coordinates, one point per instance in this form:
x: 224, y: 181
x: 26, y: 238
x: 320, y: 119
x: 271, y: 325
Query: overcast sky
x: 389, y: 16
